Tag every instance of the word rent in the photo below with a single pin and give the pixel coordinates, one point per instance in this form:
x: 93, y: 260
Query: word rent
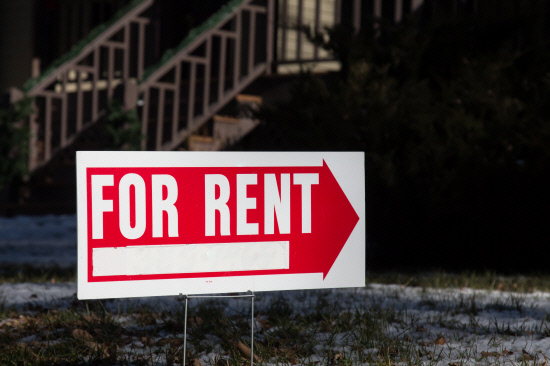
x: 162, y: 189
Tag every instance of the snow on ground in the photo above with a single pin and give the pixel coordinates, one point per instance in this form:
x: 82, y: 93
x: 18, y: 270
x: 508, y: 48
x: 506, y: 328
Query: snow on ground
x: 477, y: 326
x: 38, y: 240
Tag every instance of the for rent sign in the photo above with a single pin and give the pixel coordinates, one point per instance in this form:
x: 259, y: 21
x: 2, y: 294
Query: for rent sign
x: 165, y: 223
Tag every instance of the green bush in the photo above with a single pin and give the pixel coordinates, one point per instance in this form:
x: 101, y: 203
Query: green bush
x: 13, y: 142
x: 453, y: 116
x: 123, y: 128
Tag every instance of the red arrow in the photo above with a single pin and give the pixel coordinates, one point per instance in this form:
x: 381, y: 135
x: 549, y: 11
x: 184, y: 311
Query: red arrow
x: 332, y: 218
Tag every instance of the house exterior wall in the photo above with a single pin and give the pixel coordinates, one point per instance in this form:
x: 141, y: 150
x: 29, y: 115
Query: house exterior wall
x: 291, y: 42
x: 16, y: 40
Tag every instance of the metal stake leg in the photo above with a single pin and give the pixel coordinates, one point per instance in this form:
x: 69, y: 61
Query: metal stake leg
x: 185, y: 333
x: 252, y: 333
x: 215, y: 296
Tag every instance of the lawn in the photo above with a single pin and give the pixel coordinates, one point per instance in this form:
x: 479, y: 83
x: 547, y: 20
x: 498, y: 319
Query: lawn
x: 431, y: 318
x: 430, y: 323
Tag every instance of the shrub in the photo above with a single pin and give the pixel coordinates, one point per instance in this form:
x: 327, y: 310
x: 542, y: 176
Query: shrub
x: 13, y: 142
x: 123, y: 128
x: 453, y: 118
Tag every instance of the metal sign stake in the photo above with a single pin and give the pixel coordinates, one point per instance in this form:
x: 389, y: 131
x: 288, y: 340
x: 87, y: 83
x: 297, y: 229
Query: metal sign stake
x: 251, y: 295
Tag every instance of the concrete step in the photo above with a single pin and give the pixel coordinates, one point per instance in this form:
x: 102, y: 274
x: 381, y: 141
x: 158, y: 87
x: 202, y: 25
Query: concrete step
x: 228, y: 129
x: 202, y: 143
x: 249, y: 99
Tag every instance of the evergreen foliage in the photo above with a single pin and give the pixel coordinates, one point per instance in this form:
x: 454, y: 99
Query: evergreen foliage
x: 452, y: 113
x: 13, y: 142
x: 122, y: 128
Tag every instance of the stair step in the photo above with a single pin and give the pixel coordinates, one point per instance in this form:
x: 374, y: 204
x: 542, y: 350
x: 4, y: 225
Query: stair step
x: 248, y: 98
x: 202, y: 143
x: 226, y: 119
x: 203, y: 139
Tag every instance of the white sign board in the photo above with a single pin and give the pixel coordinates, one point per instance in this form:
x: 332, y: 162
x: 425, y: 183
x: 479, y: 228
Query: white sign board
x: 169, y: 223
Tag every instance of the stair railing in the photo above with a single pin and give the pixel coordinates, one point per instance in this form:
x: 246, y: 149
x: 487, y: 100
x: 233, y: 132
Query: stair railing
x: 74, y: 95
x: 212, y: 64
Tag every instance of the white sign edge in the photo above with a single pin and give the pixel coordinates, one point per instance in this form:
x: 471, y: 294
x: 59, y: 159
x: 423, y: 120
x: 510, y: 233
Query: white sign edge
x: 343, y: 165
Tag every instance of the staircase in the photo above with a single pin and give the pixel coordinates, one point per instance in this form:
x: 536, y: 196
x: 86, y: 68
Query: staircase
x: 211, y: 66
x: 74, y: 94
x: 179, y: 100
x: 174, y: 98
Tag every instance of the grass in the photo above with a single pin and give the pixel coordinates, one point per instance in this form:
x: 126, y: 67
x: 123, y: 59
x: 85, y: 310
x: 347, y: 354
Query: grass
x: 89, y: 333
x: 432, y: 325
x: 12, y: 273
x: 487, y: 280
x: 469, y: 279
